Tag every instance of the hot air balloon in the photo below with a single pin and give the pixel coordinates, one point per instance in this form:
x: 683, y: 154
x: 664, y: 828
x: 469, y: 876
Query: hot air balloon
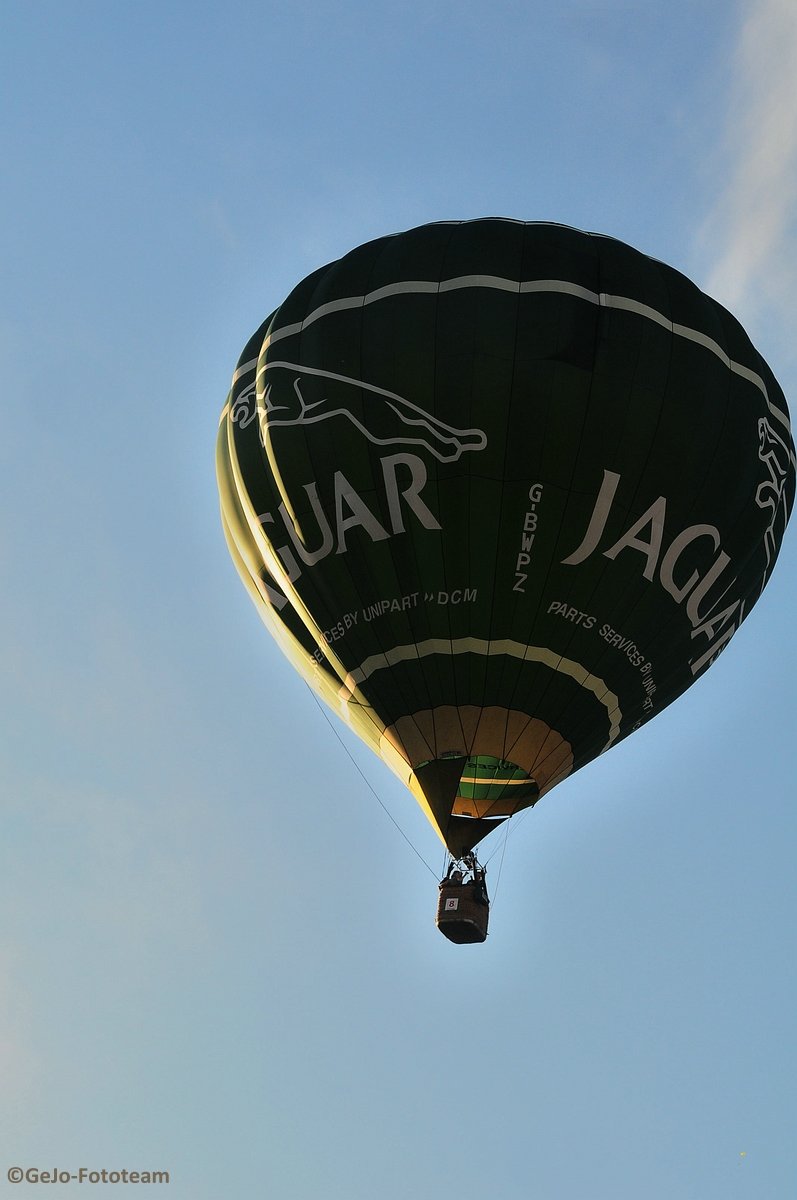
x: 501, y: 491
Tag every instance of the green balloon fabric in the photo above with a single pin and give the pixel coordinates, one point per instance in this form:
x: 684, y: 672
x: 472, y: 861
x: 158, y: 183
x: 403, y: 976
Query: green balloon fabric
x: 502, y: 491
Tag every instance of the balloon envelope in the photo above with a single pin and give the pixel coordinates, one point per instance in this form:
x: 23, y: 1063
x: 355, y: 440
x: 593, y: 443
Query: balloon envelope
x: 501, y: 491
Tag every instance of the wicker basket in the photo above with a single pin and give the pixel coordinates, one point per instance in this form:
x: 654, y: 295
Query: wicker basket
x: 463, y: 911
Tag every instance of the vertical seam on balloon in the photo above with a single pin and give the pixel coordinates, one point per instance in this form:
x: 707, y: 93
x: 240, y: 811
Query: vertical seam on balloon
x: 604, y: 654
x: 513, y: 288
x: 241, y: 491
x: 452, y: 666
x: 405, y: 691
x: 598, y: 334
x: 313, y: 580
x: 519, y: 673
x: 421, y: 687
x: 516, y: 292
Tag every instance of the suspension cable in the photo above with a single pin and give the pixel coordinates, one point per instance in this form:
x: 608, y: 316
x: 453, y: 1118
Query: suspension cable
x: 368, y: 783
x: 510, y: 828
x: 500, y: 862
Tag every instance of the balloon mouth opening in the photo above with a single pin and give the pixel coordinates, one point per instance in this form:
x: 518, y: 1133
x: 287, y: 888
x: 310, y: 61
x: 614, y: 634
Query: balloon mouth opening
x: 493, y: 787
x: 490, y: 786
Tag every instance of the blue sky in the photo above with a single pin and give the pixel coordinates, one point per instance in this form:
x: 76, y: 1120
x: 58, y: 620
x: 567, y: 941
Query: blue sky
x: 217, y: 955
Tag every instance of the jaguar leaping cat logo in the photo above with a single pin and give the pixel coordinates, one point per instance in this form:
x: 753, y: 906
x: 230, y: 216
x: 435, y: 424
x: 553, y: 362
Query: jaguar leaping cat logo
x: 298, y: 395
x: 774, y: 454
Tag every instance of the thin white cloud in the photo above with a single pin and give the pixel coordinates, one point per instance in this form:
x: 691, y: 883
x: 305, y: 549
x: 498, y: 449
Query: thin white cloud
x: 750, y: 232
